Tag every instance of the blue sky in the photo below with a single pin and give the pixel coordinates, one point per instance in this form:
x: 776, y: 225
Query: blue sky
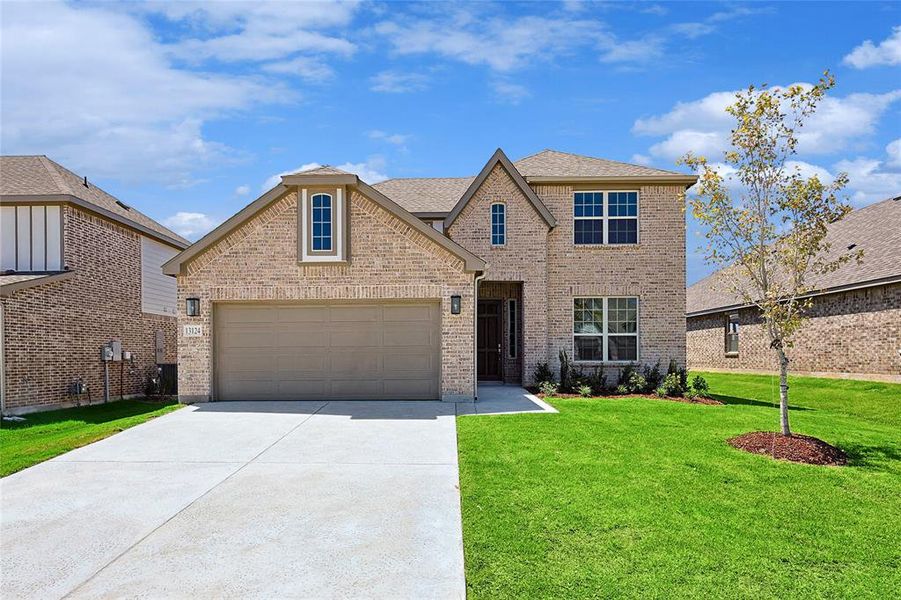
x: 187, y: 109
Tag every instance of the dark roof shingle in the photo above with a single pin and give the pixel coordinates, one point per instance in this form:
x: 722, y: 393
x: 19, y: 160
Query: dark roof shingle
x: 875, y: 229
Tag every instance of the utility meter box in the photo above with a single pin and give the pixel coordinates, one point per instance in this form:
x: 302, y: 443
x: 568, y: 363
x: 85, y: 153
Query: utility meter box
x: 116, y: 345
x: 111, y: 351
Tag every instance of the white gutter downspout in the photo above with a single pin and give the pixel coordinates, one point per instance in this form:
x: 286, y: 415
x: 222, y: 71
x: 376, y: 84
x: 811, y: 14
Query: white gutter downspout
x: 475, y: 335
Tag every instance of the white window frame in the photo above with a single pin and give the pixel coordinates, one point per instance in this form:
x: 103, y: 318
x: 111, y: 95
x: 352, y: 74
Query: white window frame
x: 730, y: 319
x: 605, y: 333
x: 339, y: 227
x: 491, y: 223
x: 513, y: 327
x: 605, y: 217
x: 331, y: 224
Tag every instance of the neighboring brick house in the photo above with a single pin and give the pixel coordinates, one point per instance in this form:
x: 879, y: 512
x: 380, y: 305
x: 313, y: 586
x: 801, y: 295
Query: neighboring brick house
x: 326, y: 287
x: 855, y: 320
x: 79, y: 269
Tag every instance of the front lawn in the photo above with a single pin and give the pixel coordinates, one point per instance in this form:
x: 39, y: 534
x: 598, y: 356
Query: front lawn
x: 45, y: 435
x: 644, y: 498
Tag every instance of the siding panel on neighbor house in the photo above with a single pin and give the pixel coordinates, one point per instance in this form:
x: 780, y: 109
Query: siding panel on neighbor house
x: 158, y: 291
x: 32, y: 238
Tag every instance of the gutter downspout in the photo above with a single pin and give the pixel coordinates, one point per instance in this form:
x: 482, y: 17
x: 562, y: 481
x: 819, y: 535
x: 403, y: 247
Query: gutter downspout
x: 475, y: 335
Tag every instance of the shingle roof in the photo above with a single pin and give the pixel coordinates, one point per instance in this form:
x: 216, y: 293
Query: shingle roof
x: 323, y: 170
x: 20, y: 281
x: 875, y: 229
x: 440, y: 194
x: 425, y: 194
x: 552, y: 163
x: 40, y: 176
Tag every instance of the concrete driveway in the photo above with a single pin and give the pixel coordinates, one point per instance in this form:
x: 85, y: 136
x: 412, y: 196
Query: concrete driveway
x: 245, y: 499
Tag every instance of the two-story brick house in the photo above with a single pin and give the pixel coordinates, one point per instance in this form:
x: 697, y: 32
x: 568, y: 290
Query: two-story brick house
x: 326, y: 287
x: 79, y: 269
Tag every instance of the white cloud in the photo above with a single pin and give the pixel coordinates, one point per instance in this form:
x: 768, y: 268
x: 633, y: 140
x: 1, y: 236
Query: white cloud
x: 396, y: 139
x: 106, y: 99
x: 370, y: 171
x: 501, y: 44
x: 634, y: 51
x: 641, y: 159
x: 703, y: 126
x: 190, y: 224
x: 893, y: 150
x: 394, y: 82
x: 257, y: 31
x: 509, y: 92
x: 869, y: 180
x: 868, y: 54
x: 305, y: 67
x: 242, y: 190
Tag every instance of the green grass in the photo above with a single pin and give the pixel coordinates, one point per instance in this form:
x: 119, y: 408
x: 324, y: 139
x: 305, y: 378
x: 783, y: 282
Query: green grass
x: 45, y: 435
x: 643, y: 498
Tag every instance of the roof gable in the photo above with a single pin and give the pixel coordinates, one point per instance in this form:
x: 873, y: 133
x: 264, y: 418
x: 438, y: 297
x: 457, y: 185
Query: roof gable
x: 174, y: 266
x: 499, y: 158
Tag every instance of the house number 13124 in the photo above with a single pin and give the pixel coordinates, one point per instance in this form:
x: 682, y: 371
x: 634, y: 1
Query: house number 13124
x: 193, y: 330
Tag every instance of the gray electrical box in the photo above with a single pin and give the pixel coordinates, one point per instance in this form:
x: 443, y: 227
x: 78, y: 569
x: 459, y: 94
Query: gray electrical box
x: 111, y: 351
x: 106, y: 353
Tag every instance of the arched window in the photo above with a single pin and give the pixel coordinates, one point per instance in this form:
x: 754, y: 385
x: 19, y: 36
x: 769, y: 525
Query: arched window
x: 498, y: 224
x: 322, y: 222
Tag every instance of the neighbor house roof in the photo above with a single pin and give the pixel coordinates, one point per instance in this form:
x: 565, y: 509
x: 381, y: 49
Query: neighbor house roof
x: 38, y: 179
x: 875, y: 229
x: 20, y: 281
x: 321, y: 176
x: 434, y: 196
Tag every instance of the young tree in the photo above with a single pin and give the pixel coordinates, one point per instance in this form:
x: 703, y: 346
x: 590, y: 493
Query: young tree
x: 765, y: 221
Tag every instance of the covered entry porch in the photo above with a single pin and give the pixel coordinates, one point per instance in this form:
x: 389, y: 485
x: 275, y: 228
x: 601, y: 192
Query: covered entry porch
x: 499, y: 332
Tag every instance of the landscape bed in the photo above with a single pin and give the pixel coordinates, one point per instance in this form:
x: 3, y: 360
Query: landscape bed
x: 632, y: 497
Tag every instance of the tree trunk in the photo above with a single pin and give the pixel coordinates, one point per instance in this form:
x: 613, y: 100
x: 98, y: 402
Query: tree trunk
x: 783, y: 391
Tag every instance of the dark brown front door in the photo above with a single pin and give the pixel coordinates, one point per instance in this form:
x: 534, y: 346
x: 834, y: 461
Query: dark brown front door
x: 488, y: 339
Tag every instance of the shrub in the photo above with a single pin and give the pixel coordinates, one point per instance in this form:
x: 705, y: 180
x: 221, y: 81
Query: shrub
x: 699, y: 387
x: 596, y: 380
x: 625, y: 375
x: 585, y: 391
x: 636, y: 384
x: 671, y: 386
x: 543, y: 373
x: 681, y: 372
x: 548, y: 388
x: 568, y: 373
x: 652, y: 377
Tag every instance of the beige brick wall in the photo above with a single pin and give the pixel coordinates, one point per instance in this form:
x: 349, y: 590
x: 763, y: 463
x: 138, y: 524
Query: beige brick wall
x: 653, y: 270
x: 850, y: 333
x: 388, y: 260
x: 522, y: 259
x: 53, y: 332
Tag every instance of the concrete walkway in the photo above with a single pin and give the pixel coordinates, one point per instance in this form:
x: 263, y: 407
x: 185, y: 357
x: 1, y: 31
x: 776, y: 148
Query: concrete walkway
x: 241, y: 499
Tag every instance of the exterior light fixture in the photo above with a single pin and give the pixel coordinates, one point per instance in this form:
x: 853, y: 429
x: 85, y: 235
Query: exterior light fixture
x: 193, y: 307
x: 455, y: 305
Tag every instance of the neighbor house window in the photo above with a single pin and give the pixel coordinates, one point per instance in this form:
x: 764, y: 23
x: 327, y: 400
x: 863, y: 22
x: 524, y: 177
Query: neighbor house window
x: 605, y: 329
x: 322, y: 222
x: 498, y: 224
x: 605, y: 217
x: 513, y: 327
x: 732, y: 334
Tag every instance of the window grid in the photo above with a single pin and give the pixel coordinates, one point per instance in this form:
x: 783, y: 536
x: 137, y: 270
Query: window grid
x: 605, y: 329
x: 605, y: 217
x: 322, y: 222
x: 498, y: 224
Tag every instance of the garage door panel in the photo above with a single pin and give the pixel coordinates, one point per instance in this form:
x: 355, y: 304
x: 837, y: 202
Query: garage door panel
x: 322, y: 351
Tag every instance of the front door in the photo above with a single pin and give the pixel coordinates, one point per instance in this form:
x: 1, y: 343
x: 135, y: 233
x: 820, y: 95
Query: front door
x: 488, y: 340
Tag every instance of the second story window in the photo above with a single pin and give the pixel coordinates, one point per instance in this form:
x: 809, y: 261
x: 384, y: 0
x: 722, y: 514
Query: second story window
x: 605, y: 218
x: 498, y: 224
x: 322, y: 222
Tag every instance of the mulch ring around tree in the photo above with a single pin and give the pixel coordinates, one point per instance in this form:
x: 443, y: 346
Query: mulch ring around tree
x: 696, y: 400
x: 795, y: 448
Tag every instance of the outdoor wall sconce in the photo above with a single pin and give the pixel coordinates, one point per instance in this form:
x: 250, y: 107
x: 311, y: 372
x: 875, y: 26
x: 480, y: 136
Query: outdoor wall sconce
x: 455, y: 305
x: 193, y: 307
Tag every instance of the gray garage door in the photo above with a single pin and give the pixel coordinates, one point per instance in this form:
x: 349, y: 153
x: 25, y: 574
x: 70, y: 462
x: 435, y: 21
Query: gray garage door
x: 327, y: 351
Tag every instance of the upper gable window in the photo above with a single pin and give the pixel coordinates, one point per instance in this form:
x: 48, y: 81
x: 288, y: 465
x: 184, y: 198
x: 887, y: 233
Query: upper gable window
x: 498, y: 224
x: 605, y: 217
x: 322, y: 225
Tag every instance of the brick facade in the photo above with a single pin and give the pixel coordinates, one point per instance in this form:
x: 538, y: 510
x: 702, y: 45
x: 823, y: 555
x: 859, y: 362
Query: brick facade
x: 522, y: 259
x: 389, y: 259
x: 852, y: 334
x: 53, y: 332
